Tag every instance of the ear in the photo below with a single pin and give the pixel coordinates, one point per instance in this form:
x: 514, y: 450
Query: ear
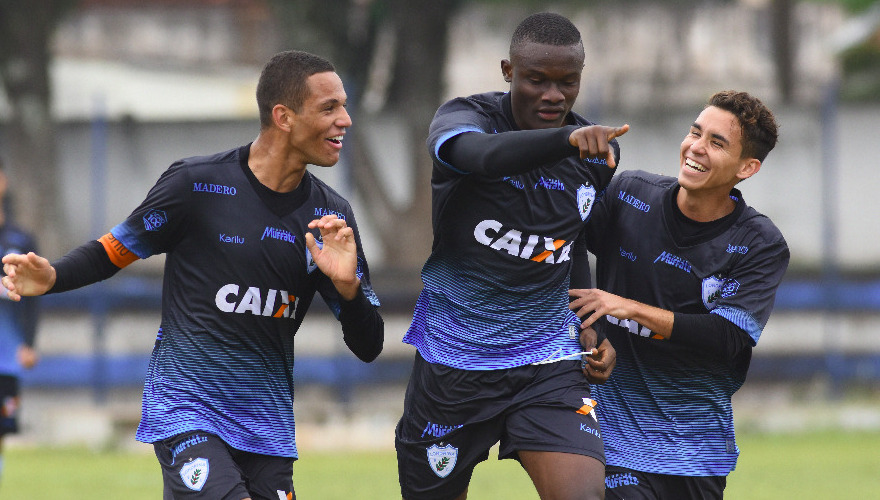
x: 507, y: 70
x: 749, y: 168
x: 283, y: 117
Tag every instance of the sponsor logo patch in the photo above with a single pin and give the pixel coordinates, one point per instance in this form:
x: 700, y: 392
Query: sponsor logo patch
x: 588, y: 408
x: 442, y: 459
x: 195, y: 473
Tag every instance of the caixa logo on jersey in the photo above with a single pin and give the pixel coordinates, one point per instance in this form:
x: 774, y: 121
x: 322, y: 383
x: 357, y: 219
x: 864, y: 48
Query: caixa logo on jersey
x: 716, y: 287
x: 271, y: 303
x: 533, y: 247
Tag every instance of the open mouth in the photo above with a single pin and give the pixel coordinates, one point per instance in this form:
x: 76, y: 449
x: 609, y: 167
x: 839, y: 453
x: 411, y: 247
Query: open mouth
x: 694, y: 165
x: 336, y: 139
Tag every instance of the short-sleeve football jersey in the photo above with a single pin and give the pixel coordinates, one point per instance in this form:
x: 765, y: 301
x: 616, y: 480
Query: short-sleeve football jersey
x: 238, y: 282
x: 496, y: 283
x: 667, y: 407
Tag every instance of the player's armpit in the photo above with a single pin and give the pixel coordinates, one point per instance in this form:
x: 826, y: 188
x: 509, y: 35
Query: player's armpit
x: 116, y: 251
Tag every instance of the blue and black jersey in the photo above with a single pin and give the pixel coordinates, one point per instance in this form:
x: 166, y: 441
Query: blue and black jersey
x: 238, y: 282
x: 667, y: 405
x: 496, y: 284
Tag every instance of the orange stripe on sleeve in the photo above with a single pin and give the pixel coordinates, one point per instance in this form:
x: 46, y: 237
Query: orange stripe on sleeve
x: 119, y: 255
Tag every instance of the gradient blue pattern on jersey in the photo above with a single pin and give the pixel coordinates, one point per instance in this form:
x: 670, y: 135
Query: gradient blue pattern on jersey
x: 696, y: 435
x: 257, y: 412
x: 489, y: 324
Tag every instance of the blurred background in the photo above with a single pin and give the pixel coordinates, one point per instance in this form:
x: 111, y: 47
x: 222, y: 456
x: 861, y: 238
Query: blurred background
x: 99, y: 97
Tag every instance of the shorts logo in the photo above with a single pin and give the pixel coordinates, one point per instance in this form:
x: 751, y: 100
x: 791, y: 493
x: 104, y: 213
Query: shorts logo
x: 284, y: 496
x: 588, y: 408
x: 154, y: 220
x: 442, y: 460
x: 195, y: 474
x: 585, y: 198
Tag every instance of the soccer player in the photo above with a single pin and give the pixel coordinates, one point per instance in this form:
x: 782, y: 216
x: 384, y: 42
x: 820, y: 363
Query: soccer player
x: 499, y: 355
x: 249, y: 235
x: 18, y: 324
x: 687, y: 274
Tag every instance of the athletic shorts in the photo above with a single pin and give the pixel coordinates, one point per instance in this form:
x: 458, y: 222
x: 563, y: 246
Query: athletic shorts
x: 453, y: 417
x: 9, y: 399
x: 200, y: 465
x: 628, y: 484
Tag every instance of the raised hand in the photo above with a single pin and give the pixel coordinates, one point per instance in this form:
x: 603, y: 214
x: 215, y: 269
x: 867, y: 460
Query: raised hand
x: 337, y: 257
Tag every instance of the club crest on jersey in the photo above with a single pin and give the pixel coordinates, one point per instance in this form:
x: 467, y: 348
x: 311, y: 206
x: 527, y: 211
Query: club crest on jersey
x: 712, y: 290
x: 586, y: 195
x: 311, y: 265
x: 154, y: 220
x: 195, y: 473
x: 442, y: 459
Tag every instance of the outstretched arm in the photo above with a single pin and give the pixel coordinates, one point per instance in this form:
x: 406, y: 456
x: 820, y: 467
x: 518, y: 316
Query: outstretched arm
x: 516, y: 152
x: 594, y: 304
x: 27, y: 275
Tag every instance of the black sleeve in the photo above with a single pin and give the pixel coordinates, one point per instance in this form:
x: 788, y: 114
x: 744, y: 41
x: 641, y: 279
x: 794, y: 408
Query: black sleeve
x: 508, y: 153
x: 581, y: 276
x: 82, y: 266
x: 362, y: 327
x: 710, y: 333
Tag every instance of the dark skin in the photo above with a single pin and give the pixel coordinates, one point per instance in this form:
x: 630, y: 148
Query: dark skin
x: 544, y: 85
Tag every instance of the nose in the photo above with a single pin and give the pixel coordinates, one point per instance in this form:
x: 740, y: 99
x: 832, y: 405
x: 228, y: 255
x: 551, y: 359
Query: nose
x: 553, y: 94
x: 344, y: 120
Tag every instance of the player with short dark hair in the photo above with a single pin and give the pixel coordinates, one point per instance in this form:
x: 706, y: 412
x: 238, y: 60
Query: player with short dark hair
x: 18, y: 323
x: 499, y: 352
x: 687, y: 274
x: 250, y: 235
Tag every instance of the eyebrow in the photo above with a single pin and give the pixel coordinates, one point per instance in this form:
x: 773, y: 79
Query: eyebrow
x: 714, y: 136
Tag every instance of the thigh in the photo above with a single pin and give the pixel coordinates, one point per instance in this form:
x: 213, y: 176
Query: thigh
x: 267, y: 477
x: 564, y: 476
x: 442, y: 434
x: 9, y: 404
x: 199, y: 465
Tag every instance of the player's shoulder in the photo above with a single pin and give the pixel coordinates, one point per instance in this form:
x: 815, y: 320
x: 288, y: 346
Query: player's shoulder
x: 228, y: 157
x: 487, y: 102
x: 761, y: 226
x: 642, y: 181
x: 323, y: 193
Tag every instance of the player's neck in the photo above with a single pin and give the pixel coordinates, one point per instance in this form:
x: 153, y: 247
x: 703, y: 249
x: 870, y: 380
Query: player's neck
x: 273, y: 166
x: 704, y: 207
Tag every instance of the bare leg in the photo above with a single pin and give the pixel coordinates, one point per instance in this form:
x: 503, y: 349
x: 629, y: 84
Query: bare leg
x: 564, y: 476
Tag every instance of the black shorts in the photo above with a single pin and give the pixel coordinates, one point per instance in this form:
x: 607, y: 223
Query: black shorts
x: 9, y: 399
x: 628, y: 484
x: 453, y: 417
x: 200, y: 465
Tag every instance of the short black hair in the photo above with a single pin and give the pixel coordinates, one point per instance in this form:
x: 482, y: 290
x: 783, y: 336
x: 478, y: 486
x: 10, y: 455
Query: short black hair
x: 545, y: 28
x: 283, y: 81
x: 759, y: 129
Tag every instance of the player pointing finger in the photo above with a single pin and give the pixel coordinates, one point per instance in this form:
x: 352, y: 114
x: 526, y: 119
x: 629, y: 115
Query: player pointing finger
x: 593, y: 141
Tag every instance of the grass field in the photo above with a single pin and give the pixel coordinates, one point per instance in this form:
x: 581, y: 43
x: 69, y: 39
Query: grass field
x: 803, y: 466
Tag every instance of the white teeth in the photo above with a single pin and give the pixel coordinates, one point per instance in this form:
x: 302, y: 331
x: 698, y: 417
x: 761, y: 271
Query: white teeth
x: 694, y: 165
x: 337, y: 138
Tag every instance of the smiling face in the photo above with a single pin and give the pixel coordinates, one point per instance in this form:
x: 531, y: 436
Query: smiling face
x: 544, y: 83
x: 318, y: 126
x: 711, y: 161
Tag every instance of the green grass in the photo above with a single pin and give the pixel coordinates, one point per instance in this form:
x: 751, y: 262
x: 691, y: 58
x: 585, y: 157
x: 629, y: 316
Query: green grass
x: 814, y: 465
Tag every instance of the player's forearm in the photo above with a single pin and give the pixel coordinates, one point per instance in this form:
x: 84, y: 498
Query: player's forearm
x: 82, y: 266
x: 508, y: 153
x: 363, y: 328
x: 659, y: 321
